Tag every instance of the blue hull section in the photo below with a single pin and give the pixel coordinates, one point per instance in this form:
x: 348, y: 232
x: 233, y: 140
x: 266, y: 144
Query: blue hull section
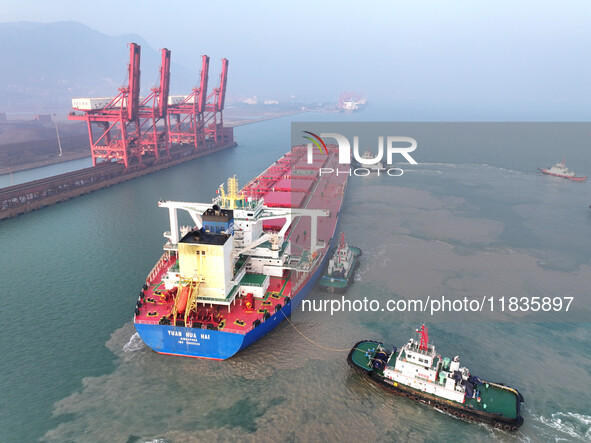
x: 190, y: 342
x: 219, y: 345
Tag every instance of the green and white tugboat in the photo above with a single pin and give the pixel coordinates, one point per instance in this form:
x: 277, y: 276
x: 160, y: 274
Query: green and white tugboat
x: 416, y: 371
x: 341, y: 268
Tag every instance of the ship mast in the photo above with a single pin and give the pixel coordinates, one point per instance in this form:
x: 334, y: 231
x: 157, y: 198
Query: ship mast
x: 233, y: 195
x: 424, y: 338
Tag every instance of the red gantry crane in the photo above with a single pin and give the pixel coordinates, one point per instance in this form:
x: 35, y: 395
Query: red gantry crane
x: 213, y: 118
x: 153, y: 111
x: 197, y: 118
x: 129, y: 130
x: 125, y: 128
x: 185, y: 113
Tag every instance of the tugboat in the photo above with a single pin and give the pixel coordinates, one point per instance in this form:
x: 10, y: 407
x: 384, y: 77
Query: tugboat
x: 416, y: 371
x: 560, y: 170
x: 341, y: 268
x: 367, y: 156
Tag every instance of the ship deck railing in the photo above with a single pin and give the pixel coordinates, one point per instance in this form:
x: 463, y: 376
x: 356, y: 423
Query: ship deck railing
x: 255, y: 280
x: 241, y: 271
x: 169, y: 246
x: 227, y: 301
x: 310, y: 265
x: 164, y: 260
x: 247, y: 328
x: 416, y: 347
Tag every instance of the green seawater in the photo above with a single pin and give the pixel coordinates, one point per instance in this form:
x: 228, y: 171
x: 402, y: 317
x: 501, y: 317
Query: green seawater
x: 474, y: 217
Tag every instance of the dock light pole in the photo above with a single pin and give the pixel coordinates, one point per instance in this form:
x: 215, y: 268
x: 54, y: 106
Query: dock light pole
x: 59, y: 143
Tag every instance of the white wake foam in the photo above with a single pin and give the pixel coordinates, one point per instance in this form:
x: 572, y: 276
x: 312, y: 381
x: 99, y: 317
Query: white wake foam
x: 575, y: 425
x: 135, y: 343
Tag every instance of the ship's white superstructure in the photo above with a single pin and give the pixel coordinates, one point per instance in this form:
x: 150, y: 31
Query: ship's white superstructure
x: 230, y: 229
x: 367, y: 157
x: 560, y: 170
x: 418, y: 366
x: 352, y: 105
x: 342, y: 260
x: 351, y: 102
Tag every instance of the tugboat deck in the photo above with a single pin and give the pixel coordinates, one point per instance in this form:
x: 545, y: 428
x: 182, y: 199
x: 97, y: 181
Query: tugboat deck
x: 496, y: 399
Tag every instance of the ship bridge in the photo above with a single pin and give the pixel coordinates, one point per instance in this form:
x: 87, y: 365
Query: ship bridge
x: 196, y: 210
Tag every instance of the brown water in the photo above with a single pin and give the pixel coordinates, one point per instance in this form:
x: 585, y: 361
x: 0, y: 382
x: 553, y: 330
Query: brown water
x: 460, y: 228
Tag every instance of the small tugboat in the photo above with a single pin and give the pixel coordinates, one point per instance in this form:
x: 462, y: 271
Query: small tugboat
x: 367, y: 156
x: 560, y: 170
x: 341, y: 268
x: 416, y: 371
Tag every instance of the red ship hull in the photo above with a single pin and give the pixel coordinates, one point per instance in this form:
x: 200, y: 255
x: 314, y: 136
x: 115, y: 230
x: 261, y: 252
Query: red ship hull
x: 576, y: 179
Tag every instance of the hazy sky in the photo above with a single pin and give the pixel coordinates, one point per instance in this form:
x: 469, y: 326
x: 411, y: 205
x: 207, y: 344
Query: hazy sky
x: 468, y: 53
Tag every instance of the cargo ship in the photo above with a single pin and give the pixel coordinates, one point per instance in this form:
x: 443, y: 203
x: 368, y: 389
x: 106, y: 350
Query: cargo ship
x: 560, y: 170
x: 341, y: 268
x: 351, y: 102
x: 416, y: 371
x: 251, y: 258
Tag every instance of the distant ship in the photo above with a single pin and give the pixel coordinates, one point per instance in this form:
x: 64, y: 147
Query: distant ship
x: 560, y: 170
x: 351, y: 102
x: 368, y: 156
x: 251, y: 258
x: 418, y: 372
